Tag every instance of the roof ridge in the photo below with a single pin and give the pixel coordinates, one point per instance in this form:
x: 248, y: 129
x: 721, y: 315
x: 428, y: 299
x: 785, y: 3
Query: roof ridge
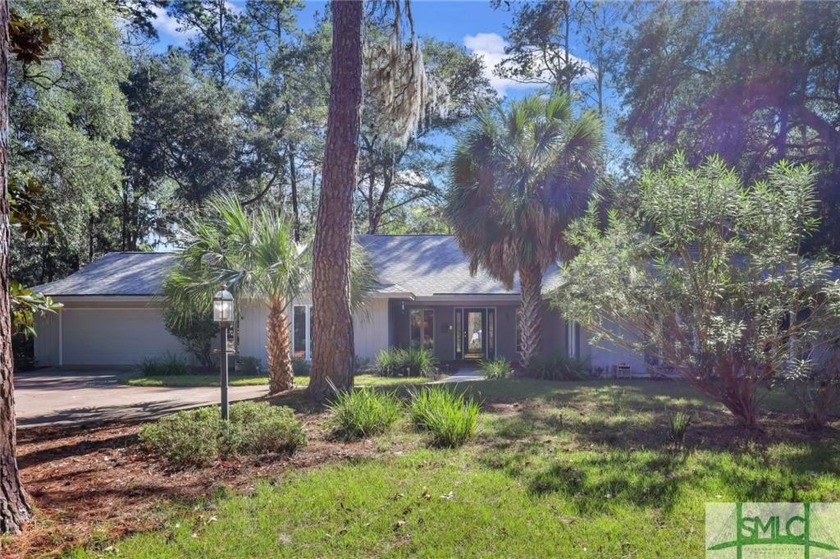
x: 141, y: 252
x: 406, y: 235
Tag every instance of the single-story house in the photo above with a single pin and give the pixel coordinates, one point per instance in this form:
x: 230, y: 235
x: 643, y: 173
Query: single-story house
x: 425, y: 296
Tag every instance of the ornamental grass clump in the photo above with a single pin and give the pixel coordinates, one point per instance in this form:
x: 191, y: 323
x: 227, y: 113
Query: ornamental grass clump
x: 362, y: 412
x: 449, y: 417
x: 396, y: 362
x: 496, y: 368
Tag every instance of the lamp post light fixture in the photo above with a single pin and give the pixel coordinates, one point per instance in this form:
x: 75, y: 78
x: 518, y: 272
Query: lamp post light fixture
x: 223, y: 314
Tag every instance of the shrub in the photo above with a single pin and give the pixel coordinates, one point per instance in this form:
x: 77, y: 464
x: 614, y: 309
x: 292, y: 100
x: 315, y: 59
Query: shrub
x: 558, y: 366
x: 198, y: 437
x: 815, y: 385
x: 170, y: 364
x: 187, y: 438
x: 496, y: 369
x: 195, y: 329
x: 360, y: 413
x: 265, y: 429
x: 450, y: 418
x: 248, y: 365
x: 300, y: 367
x: 361, y: 365
x: 678, y: 424
x: 397, y: 362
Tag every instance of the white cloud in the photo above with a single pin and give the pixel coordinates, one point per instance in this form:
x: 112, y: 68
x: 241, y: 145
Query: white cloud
x: 168, y: 28
x: 491, y: 48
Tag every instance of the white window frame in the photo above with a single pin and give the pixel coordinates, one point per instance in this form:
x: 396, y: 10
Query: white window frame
x: 572, y: 341
x: 307, y: 323
x: 434, y: 322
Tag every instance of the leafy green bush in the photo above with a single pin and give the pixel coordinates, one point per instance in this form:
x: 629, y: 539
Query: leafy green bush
x: 198, y: 437
x: 558, y: 366
x: 169, y: 364
x: 187, y: 438
x: 360, y: 413
x: 398, y: 362
x: 450, y: 418
x: 496, y: 368
x: 265, y: 429
x: 300, y: 367
x: 194, y: 328
x: 247, y: 365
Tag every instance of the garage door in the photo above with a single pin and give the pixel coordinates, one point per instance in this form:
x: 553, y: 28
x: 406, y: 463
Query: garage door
x: 115, y: 336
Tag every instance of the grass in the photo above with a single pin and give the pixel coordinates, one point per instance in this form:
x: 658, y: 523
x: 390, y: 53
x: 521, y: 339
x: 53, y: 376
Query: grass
x: 555, y: 470
x: 213, y: 380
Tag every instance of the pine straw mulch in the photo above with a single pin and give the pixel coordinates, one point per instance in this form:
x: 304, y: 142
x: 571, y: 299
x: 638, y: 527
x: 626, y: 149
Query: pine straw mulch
x: 91, y: 485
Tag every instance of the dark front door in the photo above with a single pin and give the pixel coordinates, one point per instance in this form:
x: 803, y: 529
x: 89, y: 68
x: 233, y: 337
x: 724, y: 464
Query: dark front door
x: 474, y: 333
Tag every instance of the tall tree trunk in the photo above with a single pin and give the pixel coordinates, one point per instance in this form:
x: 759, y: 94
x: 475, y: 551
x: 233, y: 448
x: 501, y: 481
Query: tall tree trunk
x: 14, y: 505
x: 291, y: 148
x: 332, y: 346
x: 530, y: 313
x: 278, y: 347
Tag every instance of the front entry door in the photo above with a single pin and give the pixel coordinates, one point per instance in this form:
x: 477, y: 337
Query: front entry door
x: 475, y: 333
x: 471, y: 333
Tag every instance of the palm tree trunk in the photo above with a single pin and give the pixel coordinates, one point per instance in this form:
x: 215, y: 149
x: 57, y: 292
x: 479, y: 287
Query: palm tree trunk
x: 14, y: 505
x: 530, y: 313
x: 281, y: 376
x: 332, y: 346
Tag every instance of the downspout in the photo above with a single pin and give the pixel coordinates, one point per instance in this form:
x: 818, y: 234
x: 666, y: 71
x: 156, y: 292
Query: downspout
x: 60, y: 338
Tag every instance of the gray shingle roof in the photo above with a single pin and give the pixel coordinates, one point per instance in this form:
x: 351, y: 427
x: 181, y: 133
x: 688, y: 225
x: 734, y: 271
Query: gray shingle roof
x: 116, y: 274
x: 424, y: 265
x: 429, y: 265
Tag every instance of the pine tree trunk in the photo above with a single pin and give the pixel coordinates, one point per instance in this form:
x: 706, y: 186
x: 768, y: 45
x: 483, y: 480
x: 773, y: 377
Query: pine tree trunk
x: 530, y: 313
x: 332, y: 344
x: 278, y: 348
x: 14, y: 505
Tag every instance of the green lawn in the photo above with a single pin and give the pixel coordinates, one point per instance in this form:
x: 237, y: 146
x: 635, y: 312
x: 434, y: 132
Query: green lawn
x: 213, y: 380
x: 557, y: 470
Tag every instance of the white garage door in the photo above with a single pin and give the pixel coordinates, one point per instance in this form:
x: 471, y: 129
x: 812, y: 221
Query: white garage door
x: 115, y: 336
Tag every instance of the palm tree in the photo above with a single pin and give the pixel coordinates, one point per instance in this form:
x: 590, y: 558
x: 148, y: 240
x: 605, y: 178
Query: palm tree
x: 257, y: 257
x: 519, y: 176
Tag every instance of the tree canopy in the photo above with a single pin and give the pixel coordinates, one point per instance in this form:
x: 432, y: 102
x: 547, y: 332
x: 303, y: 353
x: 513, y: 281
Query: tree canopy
x: 706, y: 279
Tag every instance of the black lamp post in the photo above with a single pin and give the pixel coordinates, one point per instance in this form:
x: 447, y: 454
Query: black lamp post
x: 223, y: 314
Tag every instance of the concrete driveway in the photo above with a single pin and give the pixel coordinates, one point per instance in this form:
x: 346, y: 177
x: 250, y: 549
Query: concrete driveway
x: 70, y: 397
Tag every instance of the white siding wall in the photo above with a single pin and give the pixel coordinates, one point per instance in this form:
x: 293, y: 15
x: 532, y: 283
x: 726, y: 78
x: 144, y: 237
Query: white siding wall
x: 97, y: 334
x: 606, y: 354
x: 370, y: 329
x: 46, y: 340
x: 115, y: 336
x: 252, y: 334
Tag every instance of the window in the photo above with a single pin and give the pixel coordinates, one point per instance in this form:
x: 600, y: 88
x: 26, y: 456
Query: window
x: 302, y: 332
x: 573, y: 339
x: 459, y: 334
x: 491, y: 333
x: 422, y: 323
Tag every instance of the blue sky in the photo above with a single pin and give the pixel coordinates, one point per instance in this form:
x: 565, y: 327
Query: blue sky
x: 472, y: 23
